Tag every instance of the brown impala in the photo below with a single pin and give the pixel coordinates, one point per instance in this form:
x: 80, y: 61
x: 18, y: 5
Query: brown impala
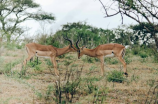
x: 105, y: 50
x: 48, y: 51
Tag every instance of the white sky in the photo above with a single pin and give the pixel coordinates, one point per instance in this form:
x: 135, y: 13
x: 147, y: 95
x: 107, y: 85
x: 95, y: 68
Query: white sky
x: 69, y: 11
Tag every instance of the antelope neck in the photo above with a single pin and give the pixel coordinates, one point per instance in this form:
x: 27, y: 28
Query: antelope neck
x: 61, y: 51
x: 90, y: 52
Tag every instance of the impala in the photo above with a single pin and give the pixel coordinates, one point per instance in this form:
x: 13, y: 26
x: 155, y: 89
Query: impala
x: 102, y: 51
x: 48, y: 51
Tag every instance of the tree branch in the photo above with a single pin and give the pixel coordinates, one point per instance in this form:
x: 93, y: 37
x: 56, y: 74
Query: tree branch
x: 148, y: 10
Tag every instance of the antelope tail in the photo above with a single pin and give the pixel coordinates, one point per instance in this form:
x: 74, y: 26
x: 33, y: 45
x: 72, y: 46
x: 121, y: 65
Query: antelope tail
x: 26, y: 50
x: 123, y: 52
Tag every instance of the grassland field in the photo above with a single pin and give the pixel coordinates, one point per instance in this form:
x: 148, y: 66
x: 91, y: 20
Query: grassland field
x: 80, y: 81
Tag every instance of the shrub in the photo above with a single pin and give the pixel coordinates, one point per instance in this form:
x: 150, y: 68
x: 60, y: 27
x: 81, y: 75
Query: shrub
x: 34, y: 63
x: 156, y: 58
x: 19, y: 46
x: 135, y: 51
x: 67, y: 63
x: 49, y: 92
x: 90, y: 86
x: 143, y: 54
x: 1, y: 65
x: 61, y: 56
x: 90, y: 83
x: 10, y: 65
x: 114, y: 61
x: 88, y: 59
x: 7, y: 68
x: 115, y: 76
x: 92, y: 68
x: 10, y: 46
x: 69, y: 88
x: 127, y: 60
x: 111, y: 60
x: 49, y: 63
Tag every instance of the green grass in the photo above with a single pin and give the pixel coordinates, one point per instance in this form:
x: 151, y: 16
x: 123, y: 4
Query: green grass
x: 115, y: 76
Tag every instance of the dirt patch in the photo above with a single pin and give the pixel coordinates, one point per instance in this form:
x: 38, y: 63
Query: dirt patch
x: 14, y: 92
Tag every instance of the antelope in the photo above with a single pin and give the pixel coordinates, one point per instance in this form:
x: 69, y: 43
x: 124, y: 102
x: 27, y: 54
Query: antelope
x: 102, y: 51
x: 48, y: 51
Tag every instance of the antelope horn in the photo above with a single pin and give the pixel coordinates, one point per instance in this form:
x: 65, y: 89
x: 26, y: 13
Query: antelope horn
x: 77, y: 44
x: 66, y: 38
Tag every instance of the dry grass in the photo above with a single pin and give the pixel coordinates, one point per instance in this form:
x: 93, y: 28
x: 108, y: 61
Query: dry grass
x: 31, y: 88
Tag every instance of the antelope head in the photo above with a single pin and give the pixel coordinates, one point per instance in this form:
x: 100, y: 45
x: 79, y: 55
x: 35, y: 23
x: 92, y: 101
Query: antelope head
x: 72, y: 48
x: 80, y: 50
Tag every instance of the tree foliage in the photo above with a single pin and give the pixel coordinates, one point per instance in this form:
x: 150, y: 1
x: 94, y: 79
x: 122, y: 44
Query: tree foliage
x: 89, y: 36
x: 144, y: 35
x: 15, y: 12
x: 139, y: 10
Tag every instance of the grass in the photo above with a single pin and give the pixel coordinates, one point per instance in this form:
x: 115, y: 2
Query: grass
x: 115, y: 76
x: 38, y: 84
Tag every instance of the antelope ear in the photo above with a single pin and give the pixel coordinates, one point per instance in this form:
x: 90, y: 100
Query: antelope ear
x: 70, y: 46
x: 83, y: 47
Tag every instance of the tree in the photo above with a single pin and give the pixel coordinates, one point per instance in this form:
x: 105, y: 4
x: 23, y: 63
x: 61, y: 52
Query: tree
x: 15, y: 12
x: 142, y: 33
x: 107, y: 36
x: 139, y: 10
x: 89, y: 36
x: 124, y: 35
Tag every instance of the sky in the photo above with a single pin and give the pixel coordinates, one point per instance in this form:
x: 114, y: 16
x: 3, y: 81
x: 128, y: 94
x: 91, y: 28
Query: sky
x: 69, y: 11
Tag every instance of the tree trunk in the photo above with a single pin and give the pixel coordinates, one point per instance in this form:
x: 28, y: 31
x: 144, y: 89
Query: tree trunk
x: 8, y: 38
x: 156, y: 40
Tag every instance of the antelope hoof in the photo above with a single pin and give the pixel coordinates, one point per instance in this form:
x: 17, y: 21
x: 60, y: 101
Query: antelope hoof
x: 126, y: 74
x: 102, y: 74
x: 57, y: 73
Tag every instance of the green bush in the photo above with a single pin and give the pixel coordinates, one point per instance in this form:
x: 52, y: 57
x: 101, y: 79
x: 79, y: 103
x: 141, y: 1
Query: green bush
x: 49, y: 63
x: 127, y: 60
x: 49, y: 91
x: 88, y: 60
x: 10, y: 46
x: 19, y: 46
x: 7, y: 68
x: 115, y: 76
x: 156, y: 57
x: 92, y: 68
x: 111, y: 60
x: 143, y: 54
x: 10, y: 65
x: 61, y: 56
x: 34, y: 63
x: 1, y: 65
x: 135, y: 51
x: 90, y: 84
x: 114, y: 61
x: 67, y: 63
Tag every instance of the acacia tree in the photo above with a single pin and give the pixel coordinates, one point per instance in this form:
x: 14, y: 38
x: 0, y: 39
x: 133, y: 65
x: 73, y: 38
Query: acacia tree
x: 15, y: 12
x: 89, y: 36
x: 139, y: 10
x: 142, y: 33
x: 124, y: 35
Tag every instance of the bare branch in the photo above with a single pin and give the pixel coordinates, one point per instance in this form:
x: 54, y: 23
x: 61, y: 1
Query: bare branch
x: 148, y: 9
x: 112, y: 15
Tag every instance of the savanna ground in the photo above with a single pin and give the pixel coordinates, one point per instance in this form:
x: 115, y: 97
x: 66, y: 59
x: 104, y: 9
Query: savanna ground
x: 79, y: 81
